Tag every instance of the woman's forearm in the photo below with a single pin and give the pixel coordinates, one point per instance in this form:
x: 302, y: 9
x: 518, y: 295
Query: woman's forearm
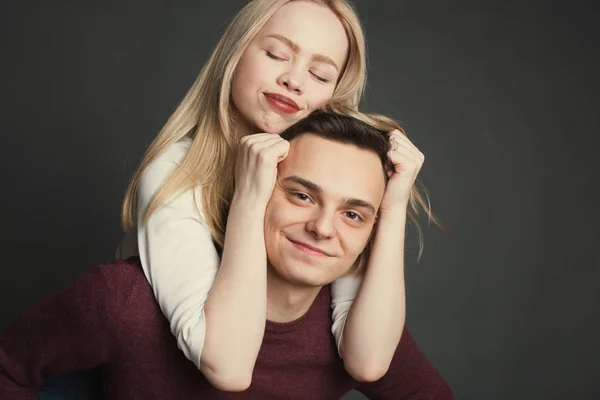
x: 236, y: 305
x: 376, y: 319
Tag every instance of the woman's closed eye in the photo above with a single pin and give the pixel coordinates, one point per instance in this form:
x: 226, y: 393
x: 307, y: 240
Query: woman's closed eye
x: 317, y: 76
x: 320, y: 78
x: 274, y: 57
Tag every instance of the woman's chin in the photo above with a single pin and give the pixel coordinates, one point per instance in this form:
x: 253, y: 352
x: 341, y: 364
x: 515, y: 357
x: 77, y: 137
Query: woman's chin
x: 272, y: 123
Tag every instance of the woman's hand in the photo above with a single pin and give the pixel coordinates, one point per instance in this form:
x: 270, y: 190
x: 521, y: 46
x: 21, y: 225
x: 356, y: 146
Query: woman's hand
x: 256, y: 166
x: 407, y: 161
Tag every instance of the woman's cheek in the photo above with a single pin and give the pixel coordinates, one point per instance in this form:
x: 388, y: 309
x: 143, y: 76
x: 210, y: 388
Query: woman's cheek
x: 251, y: 67
x: 322, y: 100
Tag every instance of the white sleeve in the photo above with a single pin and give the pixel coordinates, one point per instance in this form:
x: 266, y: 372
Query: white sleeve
x: 177, y: 254
x: 343, y: 293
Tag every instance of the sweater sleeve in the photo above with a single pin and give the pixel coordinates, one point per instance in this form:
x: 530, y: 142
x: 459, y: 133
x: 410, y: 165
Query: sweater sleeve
x: 343, y: 292
x: 177, y: 253
x: 71, y: 330
x: 410, y: 376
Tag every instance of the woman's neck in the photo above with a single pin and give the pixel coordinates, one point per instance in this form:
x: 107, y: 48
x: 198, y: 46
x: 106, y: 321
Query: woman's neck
x: 241, y: 127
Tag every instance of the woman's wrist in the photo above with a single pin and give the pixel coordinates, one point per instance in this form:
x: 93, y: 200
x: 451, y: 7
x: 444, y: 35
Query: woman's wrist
x: 250, y: 201
x: 395, y: 213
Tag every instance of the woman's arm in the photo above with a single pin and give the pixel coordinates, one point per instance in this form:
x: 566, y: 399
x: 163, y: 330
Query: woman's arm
x: 217, y: 312
x: 236, y: 307
x: 376, y: 319
x: 215, y: 326
x: 177, y: 254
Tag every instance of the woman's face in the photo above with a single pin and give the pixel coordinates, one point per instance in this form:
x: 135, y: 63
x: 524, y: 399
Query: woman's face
x: 290, y: 68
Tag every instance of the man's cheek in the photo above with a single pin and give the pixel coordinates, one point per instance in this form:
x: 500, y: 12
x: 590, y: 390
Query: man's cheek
x: 359, y: 245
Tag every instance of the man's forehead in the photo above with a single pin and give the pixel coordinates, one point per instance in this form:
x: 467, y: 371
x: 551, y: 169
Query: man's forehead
x: 337, y: 168
x: 310, y: 150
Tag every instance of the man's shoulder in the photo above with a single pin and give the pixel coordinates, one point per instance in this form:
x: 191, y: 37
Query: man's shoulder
x: 129, y: 269
x: 410, y: 374
x: 118, y: 282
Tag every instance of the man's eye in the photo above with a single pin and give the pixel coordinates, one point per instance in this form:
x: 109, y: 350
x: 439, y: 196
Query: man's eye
x: 353, y: 216
x: 301, y: 196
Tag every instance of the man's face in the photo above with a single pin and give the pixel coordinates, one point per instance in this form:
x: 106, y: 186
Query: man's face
x: 322, y: 210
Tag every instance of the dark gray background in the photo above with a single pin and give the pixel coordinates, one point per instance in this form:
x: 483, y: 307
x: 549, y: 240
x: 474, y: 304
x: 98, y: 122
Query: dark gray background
x: 501, y: 96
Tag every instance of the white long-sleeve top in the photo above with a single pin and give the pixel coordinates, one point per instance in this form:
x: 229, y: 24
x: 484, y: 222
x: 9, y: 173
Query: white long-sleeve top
x: 181, y: 262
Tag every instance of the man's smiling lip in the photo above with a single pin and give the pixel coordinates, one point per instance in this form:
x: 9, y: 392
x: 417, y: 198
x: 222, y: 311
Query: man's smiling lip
x: 309, y: 249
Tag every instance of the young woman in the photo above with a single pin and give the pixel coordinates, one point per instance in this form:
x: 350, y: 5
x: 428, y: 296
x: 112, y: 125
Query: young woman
x: 190, y: 199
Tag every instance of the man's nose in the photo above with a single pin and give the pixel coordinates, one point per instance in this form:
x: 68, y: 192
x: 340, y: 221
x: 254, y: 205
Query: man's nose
x: 322, y: 225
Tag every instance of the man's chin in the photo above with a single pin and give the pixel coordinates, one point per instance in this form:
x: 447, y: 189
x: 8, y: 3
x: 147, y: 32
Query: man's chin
x: 308, y: 283
x: 309, y: 279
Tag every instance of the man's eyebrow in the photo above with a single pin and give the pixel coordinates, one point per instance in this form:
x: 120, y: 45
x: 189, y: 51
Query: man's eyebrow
x: 296, y: 49
x: 304, y: 182
x: 350, y: 201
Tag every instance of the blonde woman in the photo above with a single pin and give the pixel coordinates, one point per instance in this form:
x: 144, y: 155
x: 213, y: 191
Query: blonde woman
x: 278, y: 61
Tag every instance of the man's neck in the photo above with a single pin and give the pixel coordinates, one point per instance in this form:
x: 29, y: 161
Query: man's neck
x: 286, y: 301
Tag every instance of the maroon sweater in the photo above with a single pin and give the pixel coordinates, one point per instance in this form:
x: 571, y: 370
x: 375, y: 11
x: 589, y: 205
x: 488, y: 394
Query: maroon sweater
x: 108, y: 318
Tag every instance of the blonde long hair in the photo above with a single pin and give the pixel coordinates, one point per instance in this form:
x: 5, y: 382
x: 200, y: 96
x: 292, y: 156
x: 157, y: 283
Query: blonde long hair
x: 206, y: 115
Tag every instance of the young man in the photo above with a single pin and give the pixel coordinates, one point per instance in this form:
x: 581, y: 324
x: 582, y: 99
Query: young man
x: 320, y: 219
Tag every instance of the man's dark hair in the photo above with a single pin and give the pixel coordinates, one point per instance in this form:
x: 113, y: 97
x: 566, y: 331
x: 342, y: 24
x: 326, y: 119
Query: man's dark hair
x: 343, y: 129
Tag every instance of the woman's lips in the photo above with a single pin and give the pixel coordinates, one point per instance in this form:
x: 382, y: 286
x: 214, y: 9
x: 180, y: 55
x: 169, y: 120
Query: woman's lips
x: 281, y: 103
